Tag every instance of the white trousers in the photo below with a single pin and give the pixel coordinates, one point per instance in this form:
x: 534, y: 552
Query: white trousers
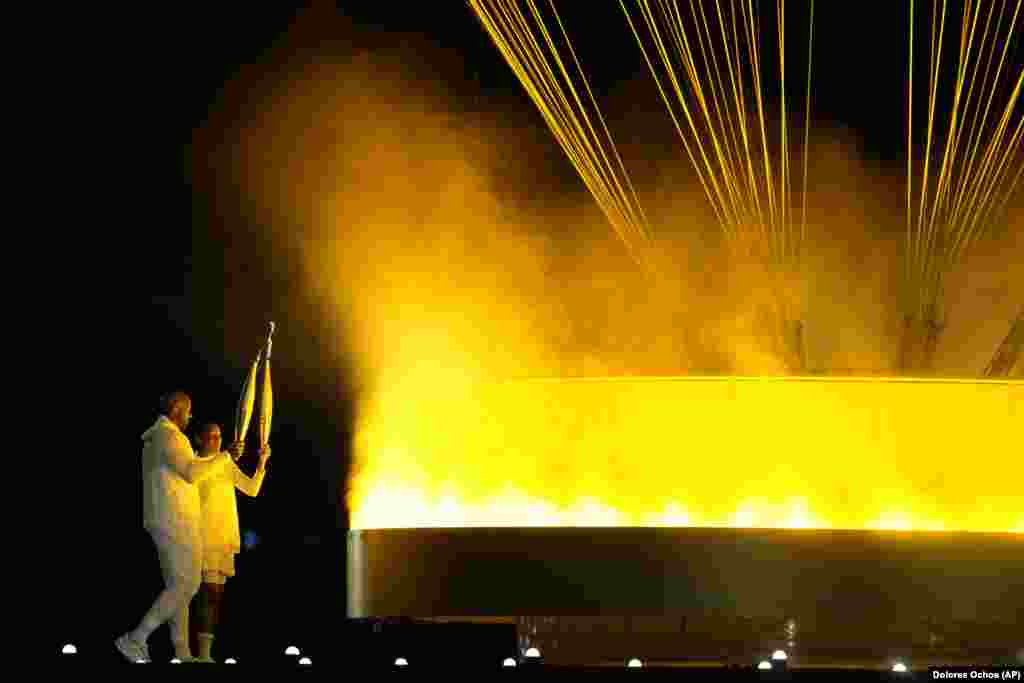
x: 181, y: 562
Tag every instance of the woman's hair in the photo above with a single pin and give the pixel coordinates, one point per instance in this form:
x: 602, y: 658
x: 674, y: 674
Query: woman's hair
x: 203, y: 429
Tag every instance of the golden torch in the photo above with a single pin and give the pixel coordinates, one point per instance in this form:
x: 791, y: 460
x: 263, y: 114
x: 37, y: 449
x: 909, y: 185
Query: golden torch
x: 267, y: 402
x: 245, y: 402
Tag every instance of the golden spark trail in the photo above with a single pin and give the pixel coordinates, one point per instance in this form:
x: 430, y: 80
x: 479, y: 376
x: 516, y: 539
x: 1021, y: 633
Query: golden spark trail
x: 972, y: 178
x: 972, y: 226
x: 722, y: 112
x: 639, y: 220
x: 807, y: 128
x: 910, y: 252
x: 750, y: 19
x: 958, y: 203
x: 970, y: 93
x: 722, y: 139
x: 983, y: 187
x: 738, y: 87
x: 1011, y: 190
x: 784, y: 189
x: 567, y: 116
x: 735, y: 69
x: 727, y: 167
x: 923, y: 228
x: 706, y: 175
x: 976, y: 224
x: 940, y: 229
x: 729, y: 179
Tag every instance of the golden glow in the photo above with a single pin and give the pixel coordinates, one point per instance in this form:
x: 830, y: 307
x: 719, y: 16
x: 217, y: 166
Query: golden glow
x: 735, y: 452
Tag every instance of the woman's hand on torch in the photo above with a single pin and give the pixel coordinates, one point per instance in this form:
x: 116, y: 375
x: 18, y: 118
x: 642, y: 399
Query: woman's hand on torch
x: 264, y: 456
x: 236, y: 450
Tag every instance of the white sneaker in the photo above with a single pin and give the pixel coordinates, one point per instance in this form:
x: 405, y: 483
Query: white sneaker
x: 133, y: 651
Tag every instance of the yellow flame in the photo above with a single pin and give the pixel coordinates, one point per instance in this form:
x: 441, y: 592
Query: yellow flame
x: 790, y: 453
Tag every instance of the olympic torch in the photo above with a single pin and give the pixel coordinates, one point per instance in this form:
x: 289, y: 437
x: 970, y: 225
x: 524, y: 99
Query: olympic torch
x: 245, y: 402
x: 267, y: 401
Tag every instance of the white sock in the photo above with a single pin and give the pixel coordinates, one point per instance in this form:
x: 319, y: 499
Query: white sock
x: 179, y: 634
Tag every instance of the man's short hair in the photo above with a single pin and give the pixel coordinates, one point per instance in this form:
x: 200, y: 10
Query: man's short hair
x: 169, y: 401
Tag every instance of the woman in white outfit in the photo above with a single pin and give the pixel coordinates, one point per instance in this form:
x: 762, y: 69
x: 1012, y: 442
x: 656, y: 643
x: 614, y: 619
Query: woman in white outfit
x: 220, y: 535
x: 171, y: 473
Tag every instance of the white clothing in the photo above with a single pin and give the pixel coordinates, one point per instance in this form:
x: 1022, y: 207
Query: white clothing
x: 170, y: 471
x: 172, y: 516
x: 180, y: 565
x: 220, y: 533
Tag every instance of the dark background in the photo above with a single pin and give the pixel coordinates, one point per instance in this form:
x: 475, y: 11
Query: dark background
x: 174, y: 290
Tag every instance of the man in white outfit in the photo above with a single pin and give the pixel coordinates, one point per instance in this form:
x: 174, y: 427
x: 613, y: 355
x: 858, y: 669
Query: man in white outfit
x: 171, y: 515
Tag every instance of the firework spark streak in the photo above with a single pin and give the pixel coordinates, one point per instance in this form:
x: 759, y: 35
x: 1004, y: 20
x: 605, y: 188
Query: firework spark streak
x: 749, y: 194
x: 973, y: 182
x: 531, y: 51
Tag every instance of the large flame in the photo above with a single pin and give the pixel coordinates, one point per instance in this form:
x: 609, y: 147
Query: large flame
x: 733, y: 452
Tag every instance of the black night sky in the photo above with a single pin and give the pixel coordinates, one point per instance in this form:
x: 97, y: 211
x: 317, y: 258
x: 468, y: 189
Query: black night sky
x: 187, y: 303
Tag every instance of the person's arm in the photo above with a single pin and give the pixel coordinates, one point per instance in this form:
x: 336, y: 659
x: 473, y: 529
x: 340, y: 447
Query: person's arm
x: 250, y: 486
x: 180, y: 457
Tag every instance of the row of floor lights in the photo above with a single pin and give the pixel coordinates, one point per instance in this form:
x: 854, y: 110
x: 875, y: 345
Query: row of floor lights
x: 291, y: 651
x: 779, y: 658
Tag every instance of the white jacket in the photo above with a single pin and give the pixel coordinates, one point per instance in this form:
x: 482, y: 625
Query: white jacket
x: 170, y: 472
